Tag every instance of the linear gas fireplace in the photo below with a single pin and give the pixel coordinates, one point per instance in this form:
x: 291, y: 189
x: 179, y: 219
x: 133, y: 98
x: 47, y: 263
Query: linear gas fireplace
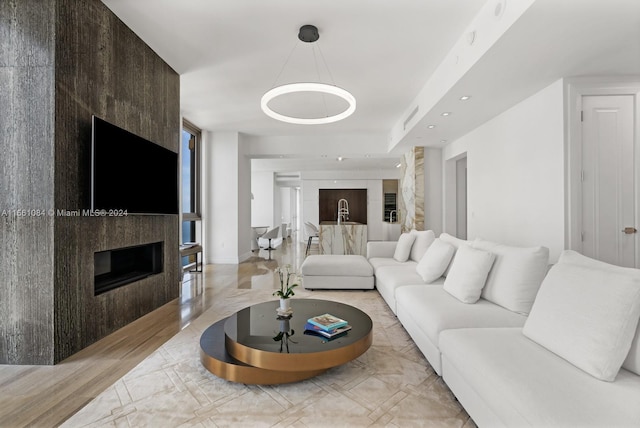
x: 121, y: 266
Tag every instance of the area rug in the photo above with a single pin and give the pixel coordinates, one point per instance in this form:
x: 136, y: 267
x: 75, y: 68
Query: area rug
x: 389, y: 385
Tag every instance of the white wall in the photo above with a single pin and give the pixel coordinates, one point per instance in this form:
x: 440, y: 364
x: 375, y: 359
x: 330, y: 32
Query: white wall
x: 262, y: 205
x: 271, y: 204
x: 226, y: 198
x: 285, y: 204
x: 244, y: 232
x: 515, y: 167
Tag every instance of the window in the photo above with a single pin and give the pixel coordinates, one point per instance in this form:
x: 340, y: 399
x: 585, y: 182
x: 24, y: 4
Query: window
x: 190, y: 185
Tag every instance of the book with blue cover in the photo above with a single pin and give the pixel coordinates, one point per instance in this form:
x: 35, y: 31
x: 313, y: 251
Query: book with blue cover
x: 329, y: 334
x: 327, y: 322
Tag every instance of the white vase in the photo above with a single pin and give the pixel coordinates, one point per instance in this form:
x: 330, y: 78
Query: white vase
x: 285, y: 305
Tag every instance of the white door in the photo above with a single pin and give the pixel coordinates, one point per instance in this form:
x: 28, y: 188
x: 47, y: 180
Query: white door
x: 461, y: 198
x: 608, y: 201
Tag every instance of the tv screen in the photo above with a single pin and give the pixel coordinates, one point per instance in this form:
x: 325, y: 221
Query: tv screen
x: 130, y: 173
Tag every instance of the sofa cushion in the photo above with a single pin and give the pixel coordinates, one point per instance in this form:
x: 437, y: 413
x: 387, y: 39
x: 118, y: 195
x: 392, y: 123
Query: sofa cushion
x: 390, y: 278
x: 424, y: 239
x: 586, y: 316
x: 426, y: 311
x: 381, y: 249
x: 456, y: 242
x: 526, y: 385
x: 435, y: 260
x: 403, y: 248
x: 468, y: 274
x: 632, y: 362
x: 435, y: 310
x: 378, y: 262
x: 516, y: 275
x: 402, y: 275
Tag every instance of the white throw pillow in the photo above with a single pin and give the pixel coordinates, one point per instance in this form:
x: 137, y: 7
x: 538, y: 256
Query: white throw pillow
x: 632, y: 362
x: 468, y: 274
x: 516, y: 275
x: 456, y: 242
x: 424, y: 238
x: 435, y: 260
x: 403, y: 248
x: 586, y: 316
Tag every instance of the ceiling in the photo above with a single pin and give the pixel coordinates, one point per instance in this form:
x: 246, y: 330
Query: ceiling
x: 228, y: 53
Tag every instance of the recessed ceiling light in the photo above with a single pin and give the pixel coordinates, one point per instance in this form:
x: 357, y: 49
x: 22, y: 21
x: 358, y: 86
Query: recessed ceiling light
x: 443, y: 141
x: 367, y: 156
x: 471, y: 37
x: 446, y: 113
x: 398, y: 165
x: 431, y: 126
x: 499, y: 9
x: 281, y: 156
x: 340, y: 158
x: 465, y: 97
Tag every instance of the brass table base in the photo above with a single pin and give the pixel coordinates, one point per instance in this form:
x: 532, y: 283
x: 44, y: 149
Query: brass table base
x: 214, y: 357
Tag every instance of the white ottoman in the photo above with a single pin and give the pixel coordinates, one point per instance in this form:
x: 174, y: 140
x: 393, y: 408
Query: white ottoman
x: 336, y: 272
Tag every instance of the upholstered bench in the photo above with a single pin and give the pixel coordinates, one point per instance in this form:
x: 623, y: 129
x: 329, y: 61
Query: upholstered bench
x: 336, y: 272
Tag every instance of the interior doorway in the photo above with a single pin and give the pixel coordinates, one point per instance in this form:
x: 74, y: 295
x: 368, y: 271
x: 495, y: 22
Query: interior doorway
x: 461, y: 198
x: 607, y: 191
x: 295, y: 211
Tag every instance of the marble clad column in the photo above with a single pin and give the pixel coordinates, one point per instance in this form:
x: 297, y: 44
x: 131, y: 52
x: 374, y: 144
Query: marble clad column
x: 411, y: 201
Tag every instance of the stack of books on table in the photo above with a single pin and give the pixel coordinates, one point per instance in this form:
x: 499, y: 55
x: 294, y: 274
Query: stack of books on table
x: 326, y: 325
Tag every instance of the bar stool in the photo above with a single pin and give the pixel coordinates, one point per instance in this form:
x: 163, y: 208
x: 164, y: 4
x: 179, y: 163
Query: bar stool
x: 312, y: 232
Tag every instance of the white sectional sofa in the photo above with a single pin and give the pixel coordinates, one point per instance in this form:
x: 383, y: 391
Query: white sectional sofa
x: 509, y: 368
x: 426, y: 309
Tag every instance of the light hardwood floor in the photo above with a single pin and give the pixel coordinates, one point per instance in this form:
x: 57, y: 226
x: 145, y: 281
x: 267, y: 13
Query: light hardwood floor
x: 45, y: 396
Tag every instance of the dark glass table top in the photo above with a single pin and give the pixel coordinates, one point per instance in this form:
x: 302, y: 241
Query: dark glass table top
x: 258, y: 327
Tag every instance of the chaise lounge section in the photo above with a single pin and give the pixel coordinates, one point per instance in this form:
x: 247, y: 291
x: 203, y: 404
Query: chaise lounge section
x: 576, y: 361
x: 336, y: 272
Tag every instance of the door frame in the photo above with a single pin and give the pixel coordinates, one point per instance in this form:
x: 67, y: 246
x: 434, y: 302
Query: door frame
x: 461, y: 209
x: 450, y: 206
x: 575, y: 89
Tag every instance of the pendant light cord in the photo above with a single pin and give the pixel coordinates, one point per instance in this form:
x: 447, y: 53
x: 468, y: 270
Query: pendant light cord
x: 295, y: 45
x: 308, y: 34
x: 333, y: 82
x: 315, y: 62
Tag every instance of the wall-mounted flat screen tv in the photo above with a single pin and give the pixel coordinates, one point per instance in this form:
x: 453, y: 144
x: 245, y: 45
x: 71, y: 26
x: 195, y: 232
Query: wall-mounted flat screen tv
x: 130, y: 173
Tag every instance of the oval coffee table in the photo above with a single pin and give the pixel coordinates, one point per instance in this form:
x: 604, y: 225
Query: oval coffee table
x: 253, y: 346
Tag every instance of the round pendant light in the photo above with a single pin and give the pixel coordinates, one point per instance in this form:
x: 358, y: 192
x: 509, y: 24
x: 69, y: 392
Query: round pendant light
x: 308, y: 34
x: 308, y: 87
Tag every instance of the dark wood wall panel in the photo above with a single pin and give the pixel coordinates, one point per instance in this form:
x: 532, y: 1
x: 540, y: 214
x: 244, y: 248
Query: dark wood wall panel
x: 356, y: 198
x: 26, y: 181
x: 101, y: 315
x: 60, y: 62
x: 103, y: 68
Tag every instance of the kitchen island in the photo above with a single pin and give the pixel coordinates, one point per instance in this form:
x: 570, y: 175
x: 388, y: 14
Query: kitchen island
x: 347, y: 237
